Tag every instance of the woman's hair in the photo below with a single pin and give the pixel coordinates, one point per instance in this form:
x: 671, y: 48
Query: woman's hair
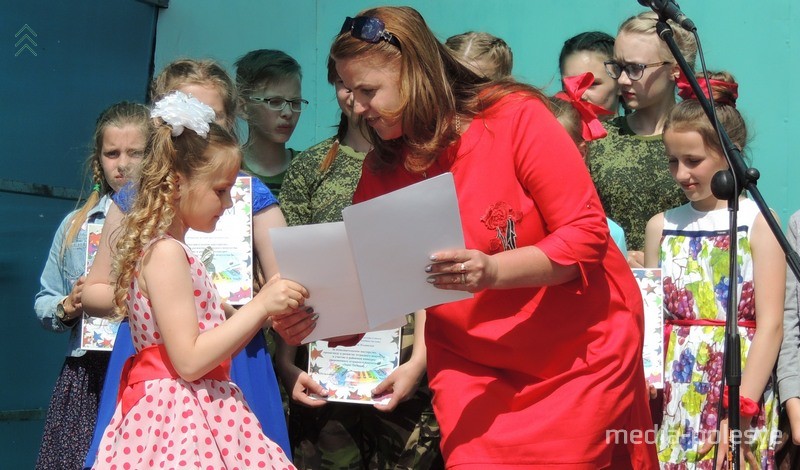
x: 154, y: 208
x: 589, y: 41
x: 264, y: 67
x: 688, y: 115
x: 204, y: 72
x: 645, y: 23
x: 434, y: 87
x: 472, y: 47
x: 119, y: 115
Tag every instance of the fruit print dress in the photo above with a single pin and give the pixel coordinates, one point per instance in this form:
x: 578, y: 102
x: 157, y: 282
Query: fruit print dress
x: 174, y: 423
x: 694, y: 262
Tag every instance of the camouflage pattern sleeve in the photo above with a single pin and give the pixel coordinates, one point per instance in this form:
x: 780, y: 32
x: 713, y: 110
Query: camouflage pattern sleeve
x: 632, y: 179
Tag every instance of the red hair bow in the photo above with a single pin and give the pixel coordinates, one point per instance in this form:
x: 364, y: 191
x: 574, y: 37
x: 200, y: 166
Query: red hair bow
x: 685, y: 89
x: 574, y: 88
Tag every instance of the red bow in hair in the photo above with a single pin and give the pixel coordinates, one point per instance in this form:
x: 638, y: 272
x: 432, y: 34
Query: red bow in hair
x: 574, y: 88
x: 685, y: 89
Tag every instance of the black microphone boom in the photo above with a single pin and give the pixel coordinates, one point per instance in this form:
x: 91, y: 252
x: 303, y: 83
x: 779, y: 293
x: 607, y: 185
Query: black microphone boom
x: 670, y: 10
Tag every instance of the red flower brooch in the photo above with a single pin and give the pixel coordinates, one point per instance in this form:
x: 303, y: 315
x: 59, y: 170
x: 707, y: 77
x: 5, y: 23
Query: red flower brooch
x: 501, y: 218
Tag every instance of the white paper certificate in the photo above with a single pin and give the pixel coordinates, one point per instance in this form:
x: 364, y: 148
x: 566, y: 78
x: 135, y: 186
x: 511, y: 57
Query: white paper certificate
x: 368, y: 272
x: 349, y: 374
x: 649, y: 281
x: 227, y: 252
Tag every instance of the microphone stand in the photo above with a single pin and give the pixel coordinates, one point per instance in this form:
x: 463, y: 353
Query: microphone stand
x: 728, y: 184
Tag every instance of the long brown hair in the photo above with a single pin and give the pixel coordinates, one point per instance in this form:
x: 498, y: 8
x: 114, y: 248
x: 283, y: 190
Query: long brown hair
x: 434, y: 87
x: 119, y: 115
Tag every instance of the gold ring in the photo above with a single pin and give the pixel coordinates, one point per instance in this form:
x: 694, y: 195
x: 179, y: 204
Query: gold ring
x: 463, y: 268
x: 463, y: 278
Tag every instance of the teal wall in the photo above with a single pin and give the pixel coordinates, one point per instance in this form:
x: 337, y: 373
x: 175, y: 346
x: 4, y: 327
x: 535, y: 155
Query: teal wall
x: 754, y: 41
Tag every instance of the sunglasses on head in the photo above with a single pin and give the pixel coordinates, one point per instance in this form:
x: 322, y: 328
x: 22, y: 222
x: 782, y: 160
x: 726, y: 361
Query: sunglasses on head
x: 369, y: 29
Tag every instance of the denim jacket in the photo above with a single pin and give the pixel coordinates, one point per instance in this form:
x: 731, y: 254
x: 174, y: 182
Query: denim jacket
x: 59, y: 275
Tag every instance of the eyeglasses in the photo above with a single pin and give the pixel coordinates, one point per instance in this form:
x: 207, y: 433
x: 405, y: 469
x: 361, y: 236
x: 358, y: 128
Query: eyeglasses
x: 634, y: 71
x: 276, y: 103
x: 369, y: 29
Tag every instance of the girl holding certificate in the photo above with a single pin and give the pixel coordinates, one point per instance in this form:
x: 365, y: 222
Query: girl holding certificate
x: 119, y: 140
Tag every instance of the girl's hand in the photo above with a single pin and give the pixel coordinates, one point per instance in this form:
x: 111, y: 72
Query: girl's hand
x: 301, y: 387
x: 296, y: 325
x: 73, y: 306
x: 745, y: 452
x: 281, y: 296
x: 793, y: 412
x: 400, y: 385
x: 467, y: 270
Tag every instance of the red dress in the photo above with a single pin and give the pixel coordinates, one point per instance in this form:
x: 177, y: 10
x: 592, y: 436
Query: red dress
x: 534, y: 377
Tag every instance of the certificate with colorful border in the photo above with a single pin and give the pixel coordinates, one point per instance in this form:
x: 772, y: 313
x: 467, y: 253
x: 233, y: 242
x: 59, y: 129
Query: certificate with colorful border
x: 97, y: 334
x: 349, y: 374
x: 227, y: 252
x: 649, y: 281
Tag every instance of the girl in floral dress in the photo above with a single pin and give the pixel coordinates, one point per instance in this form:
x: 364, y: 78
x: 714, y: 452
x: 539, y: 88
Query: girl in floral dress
x: 177, y: 407
x: 690, y: 244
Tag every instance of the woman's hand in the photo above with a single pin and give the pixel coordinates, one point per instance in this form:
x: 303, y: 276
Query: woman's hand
x: 296, y: 325
x: 467, y: 270
x: 400, y: 385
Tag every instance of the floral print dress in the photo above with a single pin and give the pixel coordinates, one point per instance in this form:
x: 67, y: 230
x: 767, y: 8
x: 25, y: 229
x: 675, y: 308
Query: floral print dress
x: 694, y: 261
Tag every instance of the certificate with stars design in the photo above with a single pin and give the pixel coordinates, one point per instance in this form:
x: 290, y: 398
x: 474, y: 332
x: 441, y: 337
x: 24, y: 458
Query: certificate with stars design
x: 349, y: 374
x: 649, y: 281
x: 227, y: 252
x: 97, y: 334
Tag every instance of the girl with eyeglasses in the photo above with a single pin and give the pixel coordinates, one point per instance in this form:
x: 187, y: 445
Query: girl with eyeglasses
x: 627, y: 166
x: 270, y: 101
x: 545, y: 359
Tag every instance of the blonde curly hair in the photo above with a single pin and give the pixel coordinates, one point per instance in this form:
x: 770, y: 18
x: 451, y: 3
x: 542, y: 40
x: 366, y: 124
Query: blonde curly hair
x: 154, y: 209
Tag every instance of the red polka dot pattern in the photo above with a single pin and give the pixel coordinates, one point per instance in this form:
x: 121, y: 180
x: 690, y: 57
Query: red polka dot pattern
x: 178, y: 424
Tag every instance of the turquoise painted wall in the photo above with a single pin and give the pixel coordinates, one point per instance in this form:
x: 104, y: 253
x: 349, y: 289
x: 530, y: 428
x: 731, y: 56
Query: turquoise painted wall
x: 755, y: 42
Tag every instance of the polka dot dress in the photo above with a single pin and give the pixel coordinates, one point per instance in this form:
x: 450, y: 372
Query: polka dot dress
x: 202, y: 424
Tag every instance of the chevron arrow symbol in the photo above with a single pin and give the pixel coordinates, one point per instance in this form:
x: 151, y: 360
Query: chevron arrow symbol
x: 22, y: 29
x: 26, y: 40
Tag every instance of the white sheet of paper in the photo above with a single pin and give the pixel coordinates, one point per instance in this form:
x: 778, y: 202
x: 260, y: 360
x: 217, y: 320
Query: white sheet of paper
x: 393, y: 237
x: 368, y: 272
x: 318, y: 256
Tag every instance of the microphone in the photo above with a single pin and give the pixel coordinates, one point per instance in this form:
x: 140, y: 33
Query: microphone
x: 670, y: 10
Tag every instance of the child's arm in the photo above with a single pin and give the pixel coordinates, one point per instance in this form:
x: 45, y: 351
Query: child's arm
x: 769, y: 281
x: 166, y: 280
x: 98, y: 292
x: 789, y: 358
x: 652, y: 240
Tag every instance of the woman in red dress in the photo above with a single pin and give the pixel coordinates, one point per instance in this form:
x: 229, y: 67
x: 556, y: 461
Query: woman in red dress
x: 543, y: 367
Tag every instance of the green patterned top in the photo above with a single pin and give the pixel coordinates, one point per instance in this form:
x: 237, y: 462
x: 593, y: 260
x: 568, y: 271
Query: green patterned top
x: 632, y: 178
x: 273, y: 182
x: 309, y: 196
